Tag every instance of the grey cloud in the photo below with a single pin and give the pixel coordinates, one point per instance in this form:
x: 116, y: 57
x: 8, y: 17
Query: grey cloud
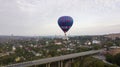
x: 28, y: 17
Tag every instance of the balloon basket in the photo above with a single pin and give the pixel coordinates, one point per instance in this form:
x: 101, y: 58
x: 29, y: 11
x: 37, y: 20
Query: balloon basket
x: 65, y: 37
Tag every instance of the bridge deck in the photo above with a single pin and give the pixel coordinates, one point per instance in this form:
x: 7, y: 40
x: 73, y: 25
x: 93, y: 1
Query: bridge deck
x: 53, y: 59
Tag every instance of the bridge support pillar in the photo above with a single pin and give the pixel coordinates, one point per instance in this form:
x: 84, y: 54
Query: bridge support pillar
x: 48, y: 65
x: 61, y: 63
x: 58, y: 63
x: 72, y: 60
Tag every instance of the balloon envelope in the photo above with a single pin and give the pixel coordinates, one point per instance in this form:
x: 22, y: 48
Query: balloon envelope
x: 65, y: 23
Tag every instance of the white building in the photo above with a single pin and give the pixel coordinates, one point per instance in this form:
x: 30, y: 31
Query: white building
x: 96, y: 42
x: 13, y: 48
x: 58, y: 43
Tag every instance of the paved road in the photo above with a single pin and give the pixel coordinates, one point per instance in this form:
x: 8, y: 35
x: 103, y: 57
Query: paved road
x: 53, y: 59
x: 101, y: 57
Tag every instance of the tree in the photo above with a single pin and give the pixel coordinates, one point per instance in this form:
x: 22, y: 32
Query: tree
x: 117, y: 59
x: 110, y: 58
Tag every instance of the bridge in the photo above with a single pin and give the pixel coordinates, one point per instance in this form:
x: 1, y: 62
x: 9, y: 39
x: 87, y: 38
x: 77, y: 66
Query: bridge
x: 58, y: 59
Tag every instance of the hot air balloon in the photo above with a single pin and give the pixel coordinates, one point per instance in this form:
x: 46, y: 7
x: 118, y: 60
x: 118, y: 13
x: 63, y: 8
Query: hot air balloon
x: 65, y: 23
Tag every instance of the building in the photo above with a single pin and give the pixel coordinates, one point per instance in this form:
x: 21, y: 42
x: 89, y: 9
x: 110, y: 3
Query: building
x: 87, y: 43
x: 113, y: 36
x: 13, y: 48
x: 114, y: 50
x: 96, y: 42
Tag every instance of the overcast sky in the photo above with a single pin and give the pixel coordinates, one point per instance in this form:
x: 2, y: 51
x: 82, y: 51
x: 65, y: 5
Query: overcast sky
x: 39, y: 17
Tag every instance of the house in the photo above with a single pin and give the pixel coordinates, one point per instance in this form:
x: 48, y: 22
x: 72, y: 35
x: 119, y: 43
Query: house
x: 114, y: 50
x: 58, y: 43
x: 87, y: 43
x: 96, y: 42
